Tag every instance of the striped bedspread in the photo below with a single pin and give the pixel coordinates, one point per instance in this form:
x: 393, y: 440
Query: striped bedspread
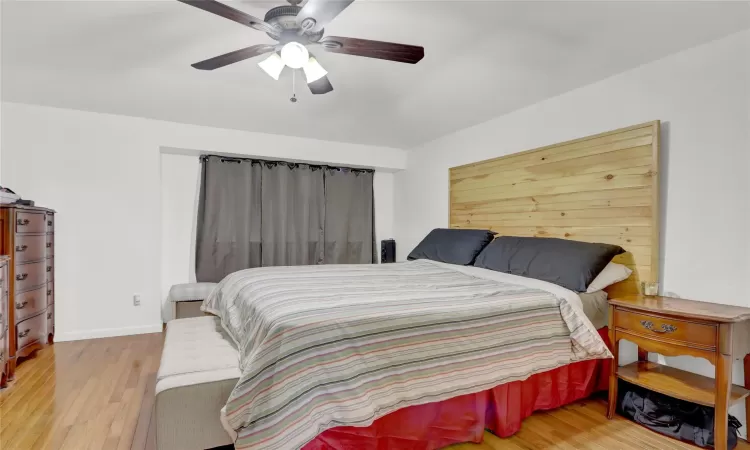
x: 326, y: 346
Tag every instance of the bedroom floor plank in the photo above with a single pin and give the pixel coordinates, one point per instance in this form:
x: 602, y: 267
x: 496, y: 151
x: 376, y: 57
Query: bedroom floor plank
x: 99, y: 394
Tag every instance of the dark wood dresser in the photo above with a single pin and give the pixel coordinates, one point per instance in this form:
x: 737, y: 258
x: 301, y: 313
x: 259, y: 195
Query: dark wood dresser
x: 27, y: 238
x: 4, y: 353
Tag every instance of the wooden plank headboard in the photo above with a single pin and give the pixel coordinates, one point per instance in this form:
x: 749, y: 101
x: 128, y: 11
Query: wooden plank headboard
x: 601, y: 188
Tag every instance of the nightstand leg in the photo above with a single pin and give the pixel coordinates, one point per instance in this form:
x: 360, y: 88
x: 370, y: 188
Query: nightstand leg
x: 642, y: 354
x: 612, y: 405
x: 723, y: 389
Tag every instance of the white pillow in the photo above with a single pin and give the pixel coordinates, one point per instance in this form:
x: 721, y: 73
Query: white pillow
x: 612, y: 273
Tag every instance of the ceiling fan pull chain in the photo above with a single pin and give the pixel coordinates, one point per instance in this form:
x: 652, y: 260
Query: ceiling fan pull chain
x: 294, y: 94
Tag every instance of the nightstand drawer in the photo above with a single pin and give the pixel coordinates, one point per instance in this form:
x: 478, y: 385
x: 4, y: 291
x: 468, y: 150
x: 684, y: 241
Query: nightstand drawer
x: 663, y: 328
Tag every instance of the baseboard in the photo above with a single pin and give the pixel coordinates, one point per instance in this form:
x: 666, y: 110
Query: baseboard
x: 107, y: 332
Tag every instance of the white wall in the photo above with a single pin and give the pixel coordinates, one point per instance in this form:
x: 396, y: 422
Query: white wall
x: 702, y: 95
x: 102, y: 174
x: 179, y: 190
x: 180, y: 184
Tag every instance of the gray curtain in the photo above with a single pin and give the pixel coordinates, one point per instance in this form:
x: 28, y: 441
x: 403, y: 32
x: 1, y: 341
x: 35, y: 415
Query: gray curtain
x: 349, y: 217
x: 293, y: 214
x: 228, y: 231
x: 270, y: 213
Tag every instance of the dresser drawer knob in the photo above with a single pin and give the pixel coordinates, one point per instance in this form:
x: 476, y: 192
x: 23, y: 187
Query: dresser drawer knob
x: 21, y: 248
x: 22, y: 305
x: 49, y: 268
x: 49, y: 315
x: 665, y: 328
x: 22, y: 276
x: 49, y: 244
x: 24, y: 333
x: 49, y: 291
x: 49, y: 223
x: 22, y: 222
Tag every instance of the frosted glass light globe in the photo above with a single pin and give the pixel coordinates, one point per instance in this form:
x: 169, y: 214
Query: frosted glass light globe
x: 295, y: 55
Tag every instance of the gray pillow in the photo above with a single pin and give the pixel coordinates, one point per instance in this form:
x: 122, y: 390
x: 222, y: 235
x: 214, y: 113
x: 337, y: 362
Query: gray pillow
x: 452, y: 246
x: 570, y: 264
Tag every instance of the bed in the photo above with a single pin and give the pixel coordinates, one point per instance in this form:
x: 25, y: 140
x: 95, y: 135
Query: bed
x: 602, y: 188
x: 325, y: 346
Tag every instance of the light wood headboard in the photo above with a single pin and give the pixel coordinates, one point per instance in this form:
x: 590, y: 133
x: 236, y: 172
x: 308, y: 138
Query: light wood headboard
x: 601, y: 188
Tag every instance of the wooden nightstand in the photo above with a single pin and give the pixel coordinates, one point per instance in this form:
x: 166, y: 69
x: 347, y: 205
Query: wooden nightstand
x: 673, y: 327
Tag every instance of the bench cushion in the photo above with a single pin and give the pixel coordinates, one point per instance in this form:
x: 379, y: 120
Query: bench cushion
x: 190, y: 291
x: 199, y: 369
x: 196, y: 350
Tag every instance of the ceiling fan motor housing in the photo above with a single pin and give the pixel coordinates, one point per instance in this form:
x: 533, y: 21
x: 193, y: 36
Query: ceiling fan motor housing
x: 285, y: 18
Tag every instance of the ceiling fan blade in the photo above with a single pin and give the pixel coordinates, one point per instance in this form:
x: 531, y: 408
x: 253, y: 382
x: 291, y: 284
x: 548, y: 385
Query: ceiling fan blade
x: 320, y: 86
x: 316, y: 14
x: 373, y: 49
x: 233, y: 57
x: 220, y: 9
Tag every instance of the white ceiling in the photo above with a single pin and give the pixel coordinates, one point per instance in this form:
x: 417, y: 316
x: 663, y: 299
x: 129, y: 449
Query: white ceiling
x: 483, y: 59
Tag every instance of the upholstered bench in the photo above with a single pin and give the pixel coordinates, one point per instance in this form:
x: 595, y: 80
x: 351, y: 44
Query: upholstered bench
x: 186, y: 298
x: 199, y: 368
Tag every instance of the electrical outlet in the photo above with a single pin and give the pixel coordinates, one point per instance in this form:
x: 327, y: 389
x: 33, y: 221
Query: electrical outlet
x: 136, y: 299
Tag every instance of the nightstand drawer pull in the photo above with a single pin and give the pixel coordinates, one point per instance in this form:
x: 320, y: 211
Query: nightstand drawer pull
x: 665, y: 328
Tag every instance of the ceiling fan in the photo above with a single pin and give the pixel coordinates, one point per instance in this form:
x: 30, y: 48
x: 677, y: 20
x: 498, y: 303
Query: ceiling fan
x: 295, y: 28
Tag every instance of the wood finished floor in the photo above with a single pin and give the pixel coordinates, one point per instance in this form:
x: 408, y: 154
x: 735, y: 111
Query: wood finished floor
x: 99, y: 394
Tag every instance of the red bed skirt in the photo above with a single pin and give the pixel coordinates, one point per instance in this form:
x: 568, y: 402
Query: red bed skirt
x: 464, y: 419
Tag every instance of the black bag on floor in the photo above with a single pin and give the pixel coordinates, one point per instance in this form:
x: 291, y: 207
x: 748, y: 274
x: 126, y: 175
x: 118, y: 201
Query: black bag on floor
x: 672, y: 417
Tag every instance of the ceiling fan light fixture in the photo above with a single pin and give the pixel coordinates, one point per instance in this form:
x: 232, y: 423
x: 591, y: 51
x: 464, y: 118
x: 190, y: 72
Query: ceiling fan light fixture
x: 313, y: 70
x: 294, y: 55
x: 273, y: 65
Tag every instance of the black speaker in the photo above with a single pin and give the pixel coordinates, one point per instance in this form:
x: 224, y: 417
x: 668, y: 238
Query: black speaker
x: 387, y: 251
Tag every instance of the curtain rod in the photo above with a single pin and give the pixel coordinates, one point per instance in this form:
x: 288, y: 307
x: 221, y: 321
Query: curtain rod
x: 271, y: 161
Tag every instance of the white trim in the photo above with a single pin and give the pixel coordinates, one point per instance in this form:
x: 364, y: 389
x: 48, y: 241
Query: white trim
x: 107, y: 332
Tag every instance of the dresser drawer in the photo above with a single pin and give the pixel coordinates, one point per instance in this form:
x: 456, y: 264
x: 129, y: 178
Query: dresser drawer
x: 50, y: 320
x: 50, y: 293
x: 30, y: 303
x: 50, y: 245
x: 31, y: 330
x: 30, y: 222
x: 3, y: 350
x: 3, y: 307
x: 688, y: 333
x: 30, y: 248
x: 50, y: 222
x: 49, y: 269
x: 3, y: 314
x: 31, y: 275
